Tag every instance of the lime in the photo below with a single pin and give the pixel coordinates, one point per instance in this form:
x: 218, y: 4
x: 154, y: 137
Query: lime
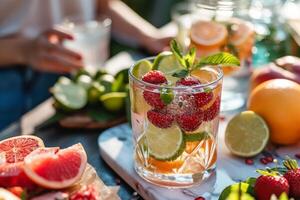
x: 80, y: 72
x: 164, y: 144
x: 107, y: 81
x: 99, y: 73
x: 167, y: 63
x: 141, y: 68
x: 237, y: 191
x: 69, y: 95
x: 246, y: 134
x: 95, y: 91
x: 85, y: 81
x: 124, y: 73
x: 113, y: 101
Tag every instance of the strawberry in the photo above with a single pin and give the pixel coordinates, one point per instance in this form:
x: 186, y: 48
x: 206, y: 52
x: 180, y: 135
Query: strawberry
x: 293, y: 177
x: 211, y: 112
x: 153, y: 98
x: 203, y: 98
x: 160, y: 119
x: 190, y: 120
x: 155, y: 77
x: 188, y: 81
x: 270, y: 183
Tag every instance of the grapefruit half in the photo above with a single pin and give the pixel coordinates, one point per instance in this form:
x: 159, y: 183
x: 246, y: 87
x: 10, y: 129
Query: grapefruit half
x: 12, y: 153
x: 56, y: 169
x: 17, y: 148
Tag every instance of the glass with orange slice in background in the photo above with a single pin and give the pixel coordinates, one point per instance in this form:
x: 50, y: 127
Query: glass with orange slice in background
x: 175, y: 103
x: 223, y: 26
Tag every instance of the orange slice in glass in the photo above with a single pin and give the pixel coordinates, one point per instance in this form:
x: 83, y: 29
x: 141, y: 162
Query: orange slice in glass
x: 165, y: 166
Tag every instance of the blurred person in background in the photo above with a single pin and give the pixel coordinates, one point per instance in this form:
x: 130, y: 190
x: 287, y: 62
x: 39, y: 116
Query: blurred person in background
x: 30, y: 48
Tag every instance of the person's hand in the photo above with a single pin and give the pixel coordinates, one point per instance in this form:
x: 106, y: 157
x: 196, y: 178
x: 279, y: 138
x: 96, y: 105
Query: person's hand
x: 46, y: 53
x: 157, y: 43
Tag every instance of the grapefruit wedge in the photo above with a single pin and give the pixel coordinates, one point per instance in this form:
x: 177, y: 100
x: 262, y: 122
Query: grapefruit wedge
x: 12, y: 153
x: 56, y: 169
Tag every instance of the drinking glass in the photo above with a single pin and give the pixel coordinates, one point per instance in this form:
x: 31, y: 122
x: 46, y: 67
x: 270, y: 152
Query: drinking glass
x: 179, y: 154
x: 91, y: 40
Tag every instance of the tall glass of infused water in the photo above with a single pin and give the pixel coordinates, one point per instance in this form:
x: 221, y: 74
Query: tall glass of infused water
x: 175, y: 117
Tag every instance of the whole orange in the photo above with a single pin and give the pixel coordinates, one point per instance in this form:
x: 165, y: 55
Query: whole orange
x: 278, y: 102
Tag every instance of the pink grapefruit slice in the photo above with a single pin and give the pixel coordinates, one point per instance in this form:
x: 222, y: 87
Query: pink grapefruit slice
x: 17, y: 148
x: 56, y: 169
x: 12, y: 153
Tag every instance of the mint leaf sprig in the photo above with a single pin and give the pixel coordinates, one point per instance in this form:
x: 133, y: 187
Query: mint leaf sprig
x: 189, y: 62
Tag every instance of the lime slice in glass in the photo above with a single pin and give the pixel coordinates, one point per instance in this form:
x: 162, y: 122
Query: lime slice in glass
x: 113, y: 101
x: 164, y: 144
x: 69, y: 95
x: 167, y: 63
x: 246, y: 134
x: 141, y: 68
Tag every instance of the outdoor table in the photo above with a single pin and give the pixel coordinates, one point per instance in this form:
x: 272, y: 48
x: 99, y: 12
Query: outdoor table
x: 54, y: 135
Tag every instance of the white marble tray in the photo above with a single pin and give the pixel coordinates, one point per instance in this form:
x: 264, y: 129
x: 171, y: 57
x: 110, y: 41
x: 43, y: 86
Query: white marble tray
x: 116, y: 149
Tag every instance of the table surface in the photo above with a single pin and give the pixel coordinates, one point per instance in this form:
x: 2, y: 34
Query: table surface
x: 57, y: 136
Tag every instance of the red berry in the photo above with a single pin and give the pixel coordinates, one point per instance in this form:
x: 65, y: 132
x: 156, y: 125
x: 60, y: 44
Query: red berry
x: 188, y: 81
x: 203, y: 98
x: 265, y: 186
x: 190, y: 121
x: 160, y: 119
x: 199, y: 198
x: 154, y: 77
x: 293, y: 177
x: 211, y: 112
x: 249, y: 161
x: 297, y: 155
x: 153, y: 99
x: 264, y: 161
x: 269, y: 159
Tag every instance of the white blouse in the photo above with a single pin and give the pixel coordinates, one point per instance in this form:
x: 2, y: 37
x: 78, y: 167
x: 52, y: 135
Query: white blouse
x: 31, y: 17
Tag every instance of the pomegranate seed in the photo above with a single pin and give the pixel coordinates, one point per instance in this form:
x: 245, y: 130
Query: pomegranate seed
x: 199, y: 198
x: 269, y: 159
x: 297, y: 155
x: 264, y: 161
x: 249, y: 161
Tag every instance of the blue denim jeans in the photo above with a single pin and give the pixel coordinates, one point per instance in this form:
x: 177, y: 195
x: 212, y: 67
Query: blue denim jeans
x: 21, y: 89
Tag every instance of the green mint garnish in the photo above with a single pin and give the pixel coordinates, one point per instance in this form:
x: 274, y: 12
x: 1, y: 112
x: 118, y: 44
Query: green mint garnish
x: 207, y: 90
x: 166, y: 95
x: 181, y: 73
x: 223, y: 59
x: 188, y: 61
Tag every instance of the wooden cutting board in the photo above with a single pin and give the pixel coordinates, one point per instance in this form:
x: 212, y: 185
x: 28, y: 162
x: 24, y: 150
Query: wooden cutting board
x: 116, y: 149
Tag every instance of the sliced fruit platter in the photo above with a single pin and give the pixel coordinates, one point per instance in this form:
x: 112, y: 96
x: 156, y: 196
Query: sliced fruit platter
x: 90, y: 100
x: 31, y: 171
